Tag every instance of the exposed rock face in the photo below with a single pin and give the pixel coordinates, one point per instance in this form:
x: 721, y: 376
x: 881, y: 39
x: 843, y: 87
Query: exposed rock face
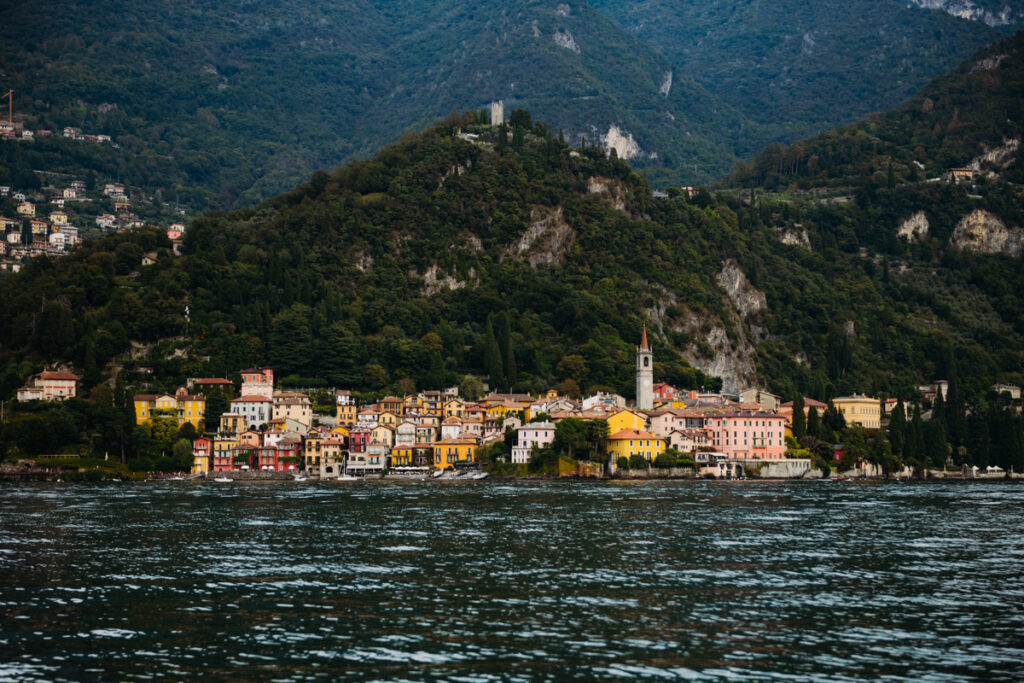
x: 983, y: 233
x: 795, y: 237
x: 666, y: 84
x: 547, y: 239
x: 747, y: 299
x: 364, y: 262
x: 915, y: 228
x: 622, y: 142
x: 565, y: 39
x: 610, y: 188
x: 966, y: 9
x: 434, y: 281
x: 1000, y: 157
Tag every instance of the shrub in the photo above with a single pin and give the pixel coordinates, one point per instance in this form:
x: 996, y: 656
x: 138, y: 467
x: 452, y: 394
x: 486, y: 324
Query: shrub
x: 622, y: 463
x: 637, y: 462
x: 665, y: 461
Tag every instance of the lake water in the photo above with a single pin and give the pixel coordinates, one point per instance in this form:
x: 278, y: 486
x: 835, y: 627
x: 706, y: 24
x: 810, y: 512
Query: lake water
x: 479, y: 581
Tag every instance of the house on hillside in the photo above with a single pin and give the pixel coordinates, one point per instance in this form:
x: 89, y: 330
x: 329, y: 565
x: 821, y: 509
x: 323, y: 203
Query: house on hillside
x: 49, y: 386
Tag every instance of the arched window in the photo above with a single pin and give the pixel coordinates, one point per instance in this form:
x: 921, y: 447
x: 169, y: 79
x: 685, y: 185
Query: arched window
x: 647, y: 361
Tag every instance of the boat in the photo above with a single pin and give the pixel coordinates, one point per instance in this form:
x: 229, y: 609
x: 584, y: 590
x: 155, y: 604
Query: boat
x: 223, y: 480
x: 176, y: 478
x: 347, y: 477
x: 841, y: 479
x: 480, y: 475
x: 300, y: 478
x: 437, y: 474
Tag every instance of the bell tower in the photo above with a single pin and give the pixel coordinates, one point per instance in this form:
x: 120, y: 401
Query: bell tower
x: 644, y: 374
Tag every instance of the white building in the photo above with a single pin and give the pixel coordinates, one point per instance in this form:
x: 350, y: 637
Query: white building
x: 257, y: 410
x: 644, y: 375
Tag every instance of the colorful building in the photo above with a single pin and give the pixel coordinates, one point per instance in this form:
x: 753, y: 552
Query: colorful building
x: 860, y: 409
x: 538, y: 434
x: 626, y: 419
x: 201, y: 455
x: 454, y: 452
x: 183, y: 406
x: 347, y: 410
x: 748, y: 435
x: 258, y: 382
x: 49, y: 386
x: 629, y: 442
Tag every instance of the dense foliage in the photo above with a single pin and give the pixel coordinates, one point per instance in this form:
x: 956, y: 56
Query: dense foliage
x: 794, y: 67
x: 222, y: 104
x: 975, y: 108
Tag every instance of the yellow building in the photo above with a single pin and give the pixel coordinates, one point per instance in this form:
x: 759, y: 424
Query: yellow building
x: 223, y: 445
x: 183, y: 406
x: 629, y: 442
x: 626, y: 419
x: 313, y: 450
x: 454, y: 407
x: 388, y: 418
x: 859, y: 409
x: 451, y: 451
x: 233, y: 423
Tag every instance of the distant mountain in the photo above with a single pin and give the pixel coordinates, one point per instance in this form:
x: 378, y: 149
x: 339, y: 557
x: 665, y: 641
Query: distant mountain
x: 971, y: 117
x: 231, y: 102
x: 800, y: 67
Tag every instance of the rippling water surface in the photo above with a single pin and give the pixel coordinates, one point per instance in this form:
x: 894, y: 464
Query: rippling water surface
x: 487, y: 580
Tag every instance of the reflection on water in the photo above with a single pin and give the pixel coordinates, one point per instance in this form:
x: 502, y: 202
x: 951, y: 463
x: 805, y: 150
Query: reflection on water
x: 480, y: 581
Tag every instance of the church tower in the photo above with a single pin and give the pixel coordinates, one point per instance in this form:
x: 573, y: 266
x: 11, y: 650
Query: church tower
x: 644, y: 375
x: 497, y: 112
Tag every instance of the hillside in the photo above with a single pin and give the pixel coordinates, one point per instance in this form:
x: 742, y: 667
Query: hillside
x: 973, y: 116
x: 797, y: 68
x: 222, y: 104
x: 535, y: 264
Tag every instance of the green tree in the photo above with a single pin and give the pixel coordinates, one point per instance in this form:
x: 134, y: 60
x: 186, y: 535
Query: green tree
x: 799, y: 419
x: 216, y: 405
x: 471, y: 388
x: 897, y: 428
x: 571, y: 438
x: 638, y: 462
x: 492, y: 357
x: 813, y: 423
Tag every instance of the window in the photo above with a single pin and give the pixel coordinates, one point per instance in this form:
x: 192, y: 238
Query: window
x: 647, y: 361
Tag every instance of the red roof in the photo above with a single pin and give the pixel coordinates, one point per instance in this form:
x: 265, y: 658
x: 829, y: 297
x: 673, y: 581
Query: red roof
x: 643, y: 339
x: 213, y: 380
x: 57, y: 375
x: 252, y: 398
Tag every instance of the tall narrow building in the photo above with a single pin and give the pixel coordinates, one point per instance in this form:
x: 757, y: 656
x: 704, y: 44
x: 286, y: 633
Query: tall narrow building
x: 497, y: 112
x: 644, y: 375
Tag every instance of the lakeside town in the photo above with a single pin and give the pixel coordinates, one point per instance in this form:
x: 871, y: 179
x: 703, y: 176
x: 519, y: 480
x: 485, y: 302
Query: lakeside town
x: 266, y: 429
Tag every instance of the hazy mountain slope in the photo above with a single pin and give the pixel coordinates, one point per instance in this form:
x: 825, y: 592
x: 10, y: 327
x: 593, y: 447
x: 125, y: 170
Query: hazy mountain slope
x: 244, y: 100
x: 800, y: 67
x: 973, y: 116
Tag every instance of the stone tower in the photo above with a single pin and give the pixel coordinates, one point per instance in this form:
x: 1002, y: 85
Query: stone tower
x: 644, y: 375
x: 497, y: 112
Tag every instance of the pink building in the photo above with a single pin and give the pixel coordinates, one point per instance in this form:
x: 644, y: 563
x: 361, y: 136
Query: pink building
x: 748, y: 436
x: 258, y: 383
x: 538, y: 434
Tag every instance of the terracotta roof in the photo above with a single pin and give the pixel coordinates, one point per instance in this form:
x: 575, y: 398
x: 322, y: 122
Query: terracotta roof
x: 145, y: 397
x: 643, y: 339
x: 213, y: 380
x: 57, y: 375
x: 632, y: 434
x: 252, y: 398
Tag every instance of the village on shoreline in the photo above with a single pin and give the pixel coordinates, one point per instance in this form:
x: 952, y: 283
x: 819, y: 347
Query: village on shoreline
x: 267, y: 433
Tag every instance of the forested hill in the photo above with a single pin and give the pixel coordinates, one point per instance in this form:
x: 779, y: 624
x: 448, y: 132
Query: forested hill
x: 519, y: 257
x: 973, y: 116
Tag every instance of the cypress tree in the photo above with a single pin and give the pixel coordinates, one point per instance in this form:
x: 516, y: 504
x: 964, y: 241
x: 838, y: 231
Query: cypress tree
x: 898, y: 428
x: 813, y: 423
x: 492, y: 357
x: 799, y: 419
x: 936, y: 448
x: 979, y: 440
x: 914, y: 447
